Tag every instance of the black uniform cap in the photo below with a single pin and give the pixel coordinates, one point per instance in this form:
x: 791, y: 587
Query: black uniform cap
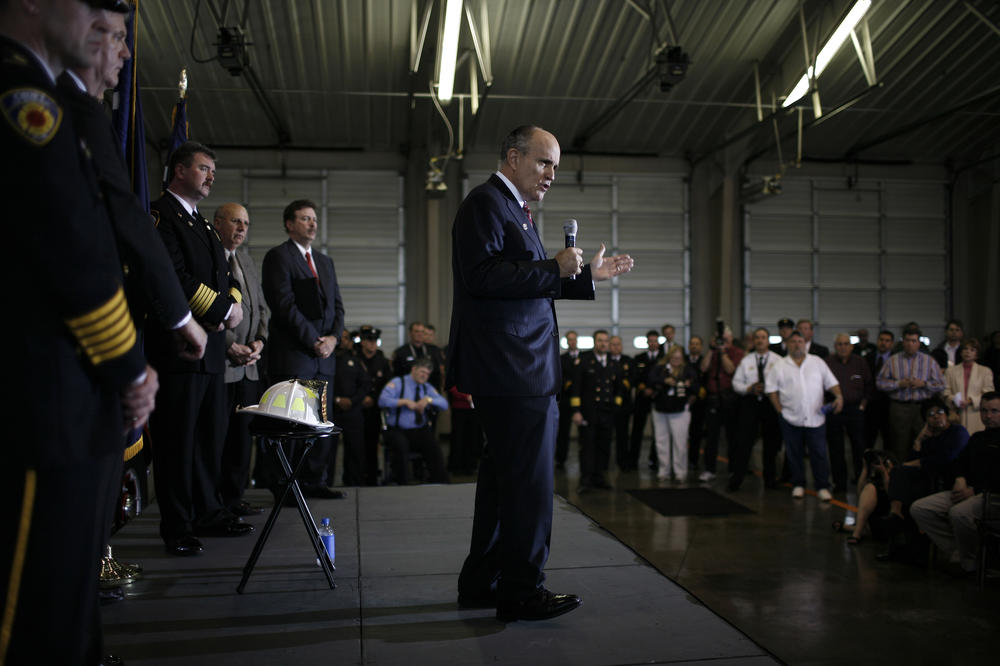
x: 120, y: 6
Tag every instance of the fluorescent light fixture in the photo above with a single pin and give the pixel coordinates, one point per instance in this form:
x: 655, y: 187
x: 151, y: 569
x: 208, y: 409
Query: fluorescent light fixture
x: 826, y: 54
x: 449, y: 49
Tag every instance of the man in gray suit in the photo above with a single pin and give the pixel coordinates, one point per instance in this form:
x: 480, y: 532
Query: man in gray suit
x: 244, y: 345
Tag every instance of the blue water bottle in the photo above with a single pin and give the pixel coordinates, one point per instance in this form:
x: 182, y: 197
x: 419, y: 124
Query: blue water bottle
x: 329, y: 541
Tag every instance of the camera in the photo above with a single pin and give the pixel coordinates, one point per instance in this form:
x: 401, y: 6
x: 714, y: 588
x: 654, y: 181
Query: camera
x: 873, y: 457
x: 720, y: 329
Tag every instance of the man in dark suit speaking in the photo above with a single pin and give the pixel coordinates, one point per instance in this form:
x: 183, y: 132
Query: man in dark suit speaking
x: 504, y: 351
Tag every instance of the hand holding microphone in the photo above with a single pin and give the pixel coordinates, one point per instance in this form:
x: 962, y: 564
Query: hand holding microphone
x: 569, y: 231
x: 570, y: 260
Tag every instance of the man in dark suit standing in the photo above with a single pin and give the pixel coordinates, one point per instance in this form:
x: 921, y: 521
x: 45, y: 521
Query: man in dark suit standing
x: 504, y: 351
x: 567, y: 362
x: 307, y: 318
x: 190, y: 427
x: 805, y: 327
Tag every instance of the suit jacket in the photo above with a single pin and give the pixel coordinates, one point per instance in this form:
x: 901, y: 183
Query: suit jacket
x: 980, y: 381
x: 504, y: 339
x: 817, y: 349
x: 200, y: 264
x: 255, y: 318
x: 73, y: 344
x: 294, y: 326
x: 151, y: 285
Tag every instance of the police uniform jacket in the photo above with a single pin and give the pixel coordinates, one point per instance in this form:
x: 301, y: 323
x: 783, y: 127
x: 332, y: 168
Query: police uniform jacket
x: 351, y: 381
x: 200, y: 264
x: 640, y: 368
x: 379, y: 372
x: 151, y: 285
x: 627, y: 366
x: 73, y: 340
x: 596, y: 387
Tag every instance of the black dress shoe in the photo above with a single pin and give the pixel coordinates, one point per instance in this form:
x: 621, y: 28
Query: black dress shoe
x: 583, y: 489
x: 540, y: 606
x: 602, y: 484
x: 112, y: 660
x: 243, y: 508
x: 487, y: 599
x: 322, y: 492
x: 225, y: 528
x: 184, y: 546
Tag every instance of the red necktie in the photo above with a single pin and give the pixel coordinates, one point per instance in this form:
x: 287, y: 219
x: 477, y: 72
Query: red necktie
x: 527, y: 211
x: 311, y: 267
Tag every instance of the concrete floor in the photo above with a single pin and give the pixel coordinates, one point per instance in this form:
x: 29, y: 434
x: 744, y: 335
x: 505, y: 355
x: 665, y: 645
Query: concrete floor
x: 784, y: 581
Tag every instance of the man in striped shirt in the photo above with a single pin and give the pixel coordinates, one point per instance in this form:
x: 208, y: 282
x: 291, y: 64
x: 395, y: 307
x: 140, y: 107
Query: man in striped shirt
x: 909, y: 378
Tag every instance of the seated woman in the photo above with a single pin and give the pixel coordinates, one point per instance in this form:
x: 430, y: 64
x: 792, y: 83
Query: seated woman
x: 873, y: 496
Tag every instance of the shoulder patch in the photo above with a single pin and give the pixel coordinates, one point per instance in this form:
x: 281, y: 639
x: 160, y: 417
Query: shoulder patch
x: 33, y: 114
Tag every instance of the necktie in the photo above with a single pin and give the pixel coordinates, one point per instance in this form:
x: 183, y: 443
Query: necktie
x: 878, y: 364
x: 234, y: 267
x: 418, y: 416
x: 527, y: 211
x: 761, y: 362
x: 311, y: 266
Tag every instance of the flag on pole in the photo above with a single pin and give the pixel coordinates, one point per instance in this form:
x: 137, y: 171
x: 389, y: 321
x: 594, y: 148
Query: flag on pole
x: 179, y: 121
x: 127, y: 115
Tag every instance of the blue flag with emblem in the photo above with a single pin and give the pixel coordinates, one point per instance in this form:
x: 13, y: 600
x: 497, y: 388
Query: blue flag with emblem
x: 179, y: 132
x: 127, y: 117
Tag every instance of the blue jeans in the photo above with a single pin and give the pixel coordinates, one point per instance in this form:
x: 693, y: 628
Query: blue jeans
x: 796, y: 439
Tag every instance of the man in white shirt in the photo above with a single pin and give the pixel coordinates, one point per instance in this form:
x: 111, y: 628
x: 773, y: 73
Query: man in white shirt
x: 795, y: 387
x: 755, y: 412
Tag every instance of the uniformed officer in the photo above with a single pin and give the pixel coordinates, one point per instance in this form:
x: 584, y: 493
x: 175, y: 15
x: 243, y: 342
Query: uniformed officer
x: 379, y: 374
x: 597, y: 388
x: 641, y: 364
x: 80, y: 373
x: 351, y: 385
x: 189, y: 430
x: 568, y: 361
x: 623, y: 409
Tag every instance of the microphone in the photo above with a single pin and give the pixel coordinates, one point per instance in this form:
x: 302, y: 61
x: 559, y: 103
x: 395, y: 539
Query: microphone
x: 569, y: 230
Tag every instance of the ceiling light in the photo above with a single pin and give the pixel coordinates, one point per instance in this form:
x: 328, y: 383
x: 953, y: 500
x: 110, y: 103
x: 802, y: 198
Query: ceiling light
x: 449, y: 49
x: 826, y: 54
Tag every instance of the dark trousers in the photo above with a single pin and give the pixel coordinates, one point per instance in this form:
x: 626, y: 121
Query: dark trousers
x: 401, y: 442
x: 721, y: 411
x: 695, y: 433
x: 353, y: 423
x: 513, y: 517
x: 466, y: 441
x: 851, y: 421
x: 188, y: 429
x: 622, y: 442
x: 372, y: 417
x: 640, y: 415
x: 562, y: 436
x: 53, y: 527
x: 235, y: 464
x: 595, y: 447
x: 877, y: 421
x: 905, y: 424
x: 754, y: 415
x: 908, y: 484
x: 797, y: 440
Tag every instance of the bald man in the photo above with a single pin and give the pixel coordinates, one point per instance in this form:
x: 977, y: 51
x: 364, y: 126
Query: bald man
x: 244, y: 345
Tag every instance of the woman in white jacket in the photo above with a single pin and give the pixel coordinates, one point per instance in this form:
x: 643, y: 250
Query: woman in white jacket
x: 965, y: 384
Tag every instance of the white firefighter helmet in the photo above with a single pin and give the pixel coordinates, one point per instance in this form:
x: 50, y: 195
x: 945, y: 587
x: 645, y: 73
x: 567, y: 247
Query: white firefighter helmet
x: 297, y: 400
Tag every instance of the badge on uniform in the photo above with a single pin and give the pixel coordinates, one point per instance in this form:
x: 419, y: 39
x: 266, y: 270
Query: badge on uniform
x: 524, y: 226
x: 350, y: 364
x: 32, y: 113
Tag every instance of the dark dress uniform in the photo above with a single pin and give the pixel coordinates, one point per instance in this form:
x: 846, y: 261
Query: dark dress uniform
x: 567, y: 362
x: 379, y: 374
x: 189, y: 427
x: 641, y: 364
x: 597, y: 389
x: 623, y: 412
x: 351, y: 382
x: 74, y: 351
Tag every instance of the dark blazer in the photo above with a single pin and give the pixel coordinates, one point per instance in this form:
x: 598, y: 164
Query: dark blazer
x: 200, y: 264
x: 151, y: 285
x: 255, y: 318
x: 294, y: 328
x: 817, y: 349
x: 504, y: 339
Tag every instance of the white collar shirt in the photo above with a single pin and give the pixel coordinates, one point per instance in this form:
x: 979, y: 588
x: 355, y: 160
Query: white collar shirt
x: 800, y: 389
x: 746, y: 371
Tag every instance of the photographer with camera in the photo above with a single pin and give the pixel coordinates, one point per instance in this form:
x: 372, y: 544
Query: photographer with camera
x: 721, y: 408
x: 873, y: 495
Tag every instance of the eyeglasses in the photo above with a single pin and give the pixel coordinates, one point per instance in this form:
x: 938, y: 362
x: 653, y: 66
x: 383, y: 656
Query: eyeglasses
x: 936, y: 412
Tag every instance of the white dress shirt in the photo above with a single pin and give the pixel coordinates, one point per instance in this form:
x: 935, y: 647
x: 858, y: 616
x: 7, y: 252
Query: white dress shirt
x: 746, y: 371
x: 800, y: 389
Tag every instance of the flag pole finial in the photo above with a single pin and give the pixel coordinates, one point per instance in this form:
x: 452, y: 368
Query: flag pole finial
x: 182, y: 84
